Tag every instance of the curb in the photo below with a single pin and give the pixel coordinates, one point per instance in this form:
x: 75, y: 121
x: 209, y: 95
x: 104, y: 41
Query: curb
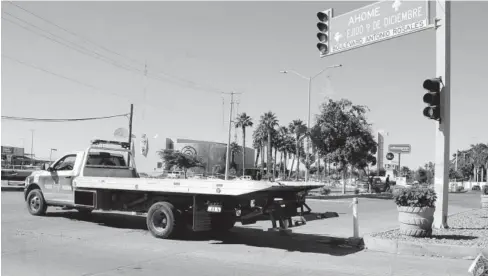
x: 389, y: 197
x: 422, y: 249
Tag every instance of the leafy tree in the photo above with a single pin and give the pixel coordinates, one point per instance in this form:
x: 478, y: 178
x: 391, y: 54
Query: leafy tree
x: 269, y: 122
x: 453, y: 174
x: 243, y: 121
x: 346, y: 135
x: 421, y: 175
x: 430, y: 172
x: 180, y: 160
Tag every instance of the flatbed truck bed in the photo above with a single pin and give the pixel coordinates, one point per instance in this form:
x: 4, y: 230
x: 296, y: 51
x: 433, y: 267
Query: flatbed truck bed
x: 82, y: 181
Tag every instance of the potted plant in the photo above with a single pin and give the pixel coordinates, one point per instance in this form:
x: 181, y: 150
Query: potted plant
x: 484, y: 197
x: 416, y: 208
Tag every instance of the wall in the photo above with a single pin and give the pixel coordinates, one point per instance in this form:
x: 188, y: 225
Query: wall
x: 212, y: 154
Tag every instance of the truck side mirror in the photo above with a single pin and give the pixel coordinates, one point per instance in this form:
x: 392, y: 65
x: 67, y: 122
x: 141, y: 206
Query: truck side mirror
x: 48, y: 168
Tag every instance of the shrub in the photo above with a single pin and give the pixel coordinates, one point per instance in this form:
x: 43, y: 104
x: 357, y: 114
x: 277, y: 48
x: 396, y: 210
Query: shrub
x: 459, y: 189
x: 485, y: 190
x: 324, y: 191
x: 356, y: 191
x: 415, y: 197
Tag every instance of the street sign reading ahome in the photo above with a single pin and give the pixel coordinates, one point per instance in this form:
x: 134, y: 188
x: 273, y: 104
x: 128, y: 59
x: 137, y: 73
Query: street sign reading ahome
x: 404, y: 148
x: 377, y: 22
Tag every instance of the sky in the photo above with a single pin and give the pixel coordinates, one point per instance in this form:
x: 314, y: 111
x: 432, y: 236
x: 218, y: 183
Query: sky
x: 220, y: 46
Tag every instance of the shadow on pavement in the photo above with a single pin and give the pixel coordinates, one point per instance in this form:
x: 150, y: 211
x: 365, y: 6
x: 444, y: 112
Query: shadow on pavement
x: 114, y: 220
x: 238, y: 235
x: 294, y: 242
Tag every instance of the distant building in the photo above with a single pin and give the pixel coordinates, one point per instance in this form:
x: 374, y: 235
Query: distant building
x: 14, y: 157
x: 212, y: 154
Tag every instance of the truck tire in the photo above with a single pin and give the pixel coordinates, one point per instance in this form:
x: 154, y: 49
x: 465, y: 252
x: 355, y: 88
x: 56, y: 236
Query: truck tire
x: 35, y: 203
x: 223, y: 222
x: 161, y: 220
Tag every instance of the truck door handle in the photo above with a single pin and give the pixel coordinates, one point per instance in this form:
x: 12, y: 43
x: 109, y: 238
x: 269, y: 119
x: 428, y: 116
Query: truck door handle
x: 69, y: 176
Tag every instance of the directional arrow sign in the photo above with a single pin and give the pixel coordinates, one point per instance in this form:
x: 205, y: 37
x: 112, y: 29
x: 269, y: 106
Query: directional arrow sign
x: 377, y: 22
x: 400, y: 148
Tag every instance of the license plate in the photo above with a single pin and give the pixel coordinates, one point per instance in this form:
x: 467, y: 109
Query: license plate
x: 214, y: 209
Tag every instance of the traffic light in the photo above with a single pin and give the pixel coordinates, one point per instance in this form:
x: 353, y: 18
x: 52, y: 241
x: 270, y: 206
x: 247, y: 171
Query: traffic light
x: 433, y: 98
x: 324, y: 29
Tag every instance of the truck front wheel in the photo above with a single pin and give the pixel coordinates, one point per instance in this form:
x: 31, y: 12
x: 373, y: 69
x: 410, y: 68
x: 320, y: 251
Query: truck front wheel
x: 35, y: 203
x: 161, y: 220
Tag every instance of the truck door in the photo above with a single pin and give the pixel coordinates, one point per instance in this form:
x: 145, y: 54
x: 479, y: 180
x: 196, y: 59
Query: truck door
x: 60, y: 178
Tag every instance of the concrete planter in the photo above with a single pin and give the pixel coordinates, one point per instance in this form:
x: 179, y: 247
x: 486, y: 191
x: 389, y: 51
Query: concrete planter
x: 416, y: 221
x: 484, y: 201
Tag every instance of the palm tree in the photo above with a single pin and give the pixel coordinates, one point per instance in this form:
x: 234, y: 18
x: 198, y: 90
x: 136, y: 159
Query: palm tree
x: 243, y: 121
x: 269, y: 122
x: 299, y: 129
x: 283, y: 148
x: 234, y: 149
x: 277, y: 142
x: 256, y: 143
x: 291, y: 148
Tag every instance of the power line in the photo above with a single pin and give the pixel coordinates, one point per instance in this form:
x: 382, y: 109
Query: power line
x: 61, y: 120
x: 73, y: 33
x: 79, y: 49
x: 183, y: 82
x: 61, y: 76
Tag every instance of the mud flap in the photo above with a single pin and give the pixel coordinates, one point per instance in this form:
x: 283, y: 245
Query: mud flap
x: 201, y: 218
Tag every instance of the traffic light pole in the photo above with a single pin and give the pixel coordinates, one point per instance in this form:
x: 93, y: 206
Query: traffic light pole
x: 399, y: 164
x: 443, y: 129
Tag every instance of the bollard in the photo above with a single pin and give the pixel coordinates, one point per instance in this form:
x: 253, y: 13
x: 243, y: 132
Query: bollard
x: 355, y: 217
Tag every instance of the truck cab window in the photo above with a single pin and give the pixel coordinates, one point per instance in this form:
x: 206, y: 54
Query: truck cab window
x: 66, y: 164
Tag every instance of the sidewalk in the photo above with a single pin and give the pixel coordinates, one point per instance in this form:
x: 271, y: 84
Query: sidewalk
x: 373, y: 216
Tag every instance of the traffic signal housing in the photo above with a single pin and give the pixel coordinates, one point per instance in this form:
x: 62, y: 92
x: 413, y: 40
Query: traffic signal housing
x: 324, y: 30
x: 433, y: 98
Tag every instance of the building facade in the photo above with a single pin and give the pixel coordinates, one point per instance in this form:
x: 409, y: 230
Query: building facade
x: 211, y: 154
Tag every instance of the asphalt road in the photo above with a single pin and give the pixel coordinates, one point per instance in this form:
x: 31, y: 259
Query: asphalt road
x: 65, y: 243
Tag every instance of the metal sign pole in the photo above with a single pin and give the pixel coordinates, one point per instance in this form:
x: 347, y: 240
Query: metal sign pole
x: 443, y: 70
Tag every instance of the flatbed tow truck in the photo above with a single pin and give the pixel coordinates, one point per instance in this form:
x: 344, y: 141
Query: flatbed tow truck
x: 104, y: 177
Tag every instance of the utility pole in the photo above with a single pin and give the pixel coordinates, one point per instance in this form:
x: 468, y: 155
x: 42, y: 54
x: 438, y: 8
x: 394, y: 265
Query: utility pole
x: 144, y: 92
x: 130, y: 130
x: 51, y: 154
x: 32, y: 143
x: 227, y: 156
x: 307, y: 157
x: 235, y: 129
x: 399, y: 164
x: 443, y: 71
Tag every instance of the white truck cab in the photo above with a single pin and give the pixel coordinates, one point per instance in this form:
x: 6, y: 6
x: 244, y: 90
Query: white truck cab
x: 58, y: 180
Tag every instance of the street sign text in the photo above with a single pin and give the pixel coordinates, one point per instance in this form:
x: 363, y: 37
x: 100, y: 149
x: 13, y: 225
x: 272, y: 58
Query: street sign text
x: 377, y: 22
x: 400, y: 148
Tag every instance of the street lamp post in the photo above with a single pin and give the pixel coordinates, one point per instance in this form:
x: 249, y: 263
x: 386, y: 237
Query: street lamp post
x: 309, y: 79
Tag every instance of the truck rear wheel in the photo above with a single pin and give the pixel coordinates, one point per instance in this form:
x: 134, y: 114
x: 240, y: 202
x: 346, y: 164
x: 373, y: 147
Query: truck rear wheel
x: 35, y: 203
x: 161, y: 220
